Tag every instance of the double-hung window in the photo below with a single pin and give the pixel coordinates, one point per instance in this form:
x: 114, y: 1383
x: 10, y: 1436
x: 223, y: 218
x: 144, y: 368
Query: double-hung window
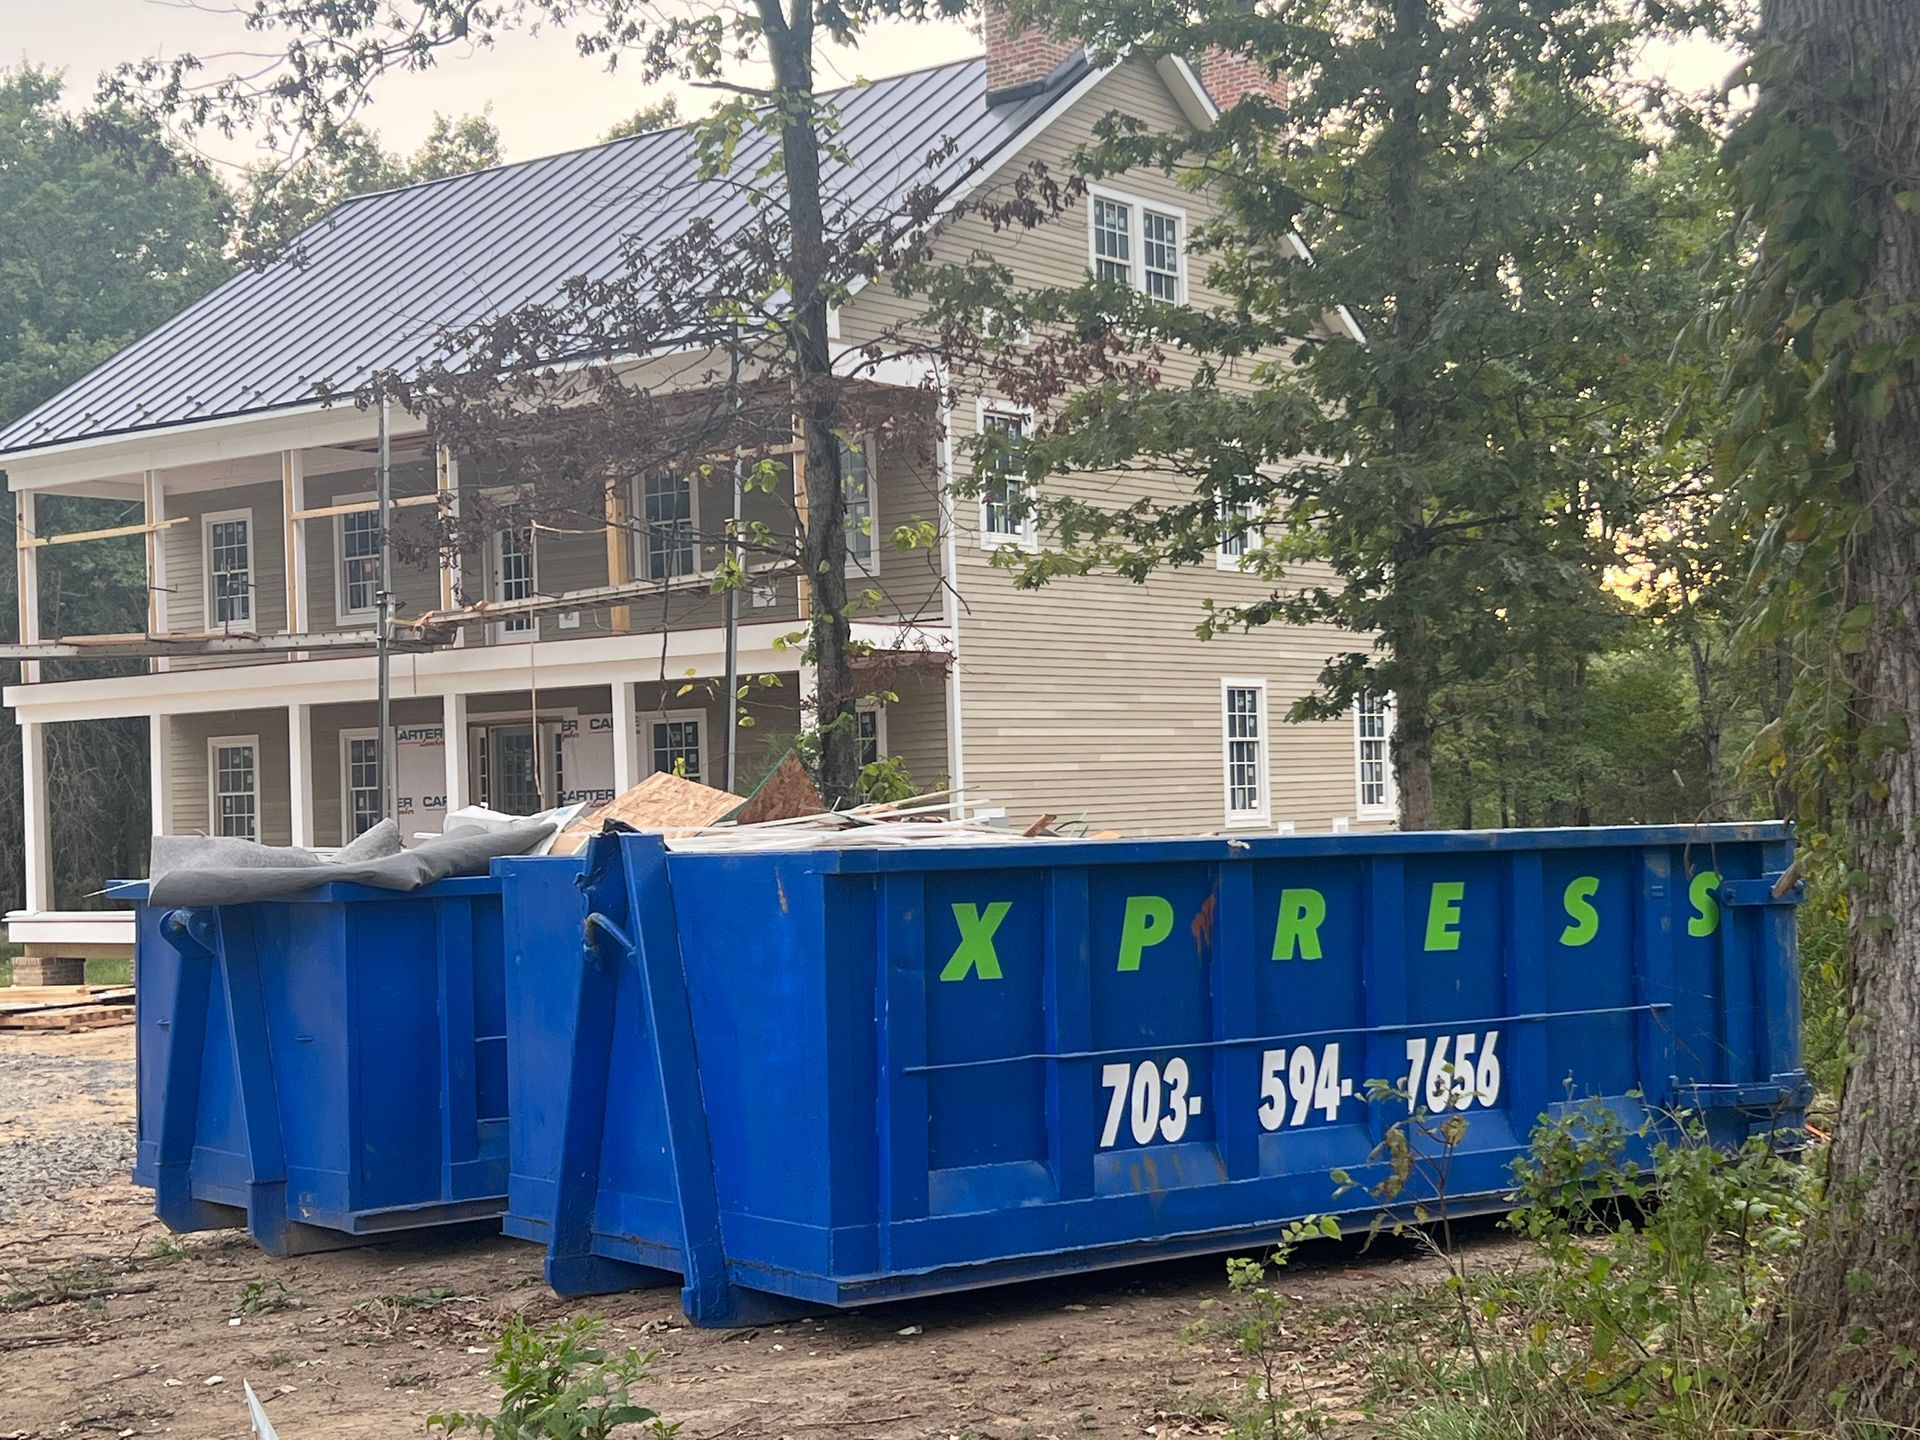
x: 233, y: 770
x: 856, y: 484
x: 1236, y: 534
x: 676, y: 740
x: 359, y: 541
x: 1372, y: 757
x: 229, y: 549
x: 871, y: 728
x: 1003, y: 518
x: 516, y: 578
x: 1140, y: 244
x: 666, y: 512
x: 1243, y: 718
x: 359, y: 784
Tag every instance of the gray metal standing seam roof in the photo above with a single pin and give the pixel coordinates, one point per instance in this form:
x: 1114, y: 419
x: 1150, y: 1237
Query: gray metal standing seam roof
x: 385, y: 274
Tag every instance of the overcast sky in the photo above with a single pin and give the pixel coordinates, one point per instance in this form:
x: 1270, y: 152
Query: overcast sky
x: 542, y: 95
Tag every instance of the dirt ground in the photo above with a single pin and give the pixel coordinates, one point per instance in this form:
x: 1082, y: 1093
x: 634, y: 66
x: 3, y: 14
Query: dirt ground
x: 111, y: 1327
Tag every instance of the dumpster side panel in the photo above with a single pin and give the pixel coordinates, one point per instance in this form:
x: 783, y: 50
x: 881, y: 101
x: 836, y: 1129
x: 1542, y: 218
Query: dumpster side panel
x: 925, y: 1069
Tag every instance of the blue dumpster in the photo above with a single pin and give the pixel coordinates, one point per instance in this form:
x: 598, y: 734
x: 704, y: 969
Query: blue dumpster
x: 847, y: 1075
x: 323, y: 1069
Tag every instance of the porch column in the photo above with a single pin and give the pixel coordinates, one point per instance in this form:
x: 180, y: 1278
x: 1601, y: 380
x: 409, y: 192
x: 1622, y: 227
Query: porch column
x: 454, y: 735
x: 39, y: 832
x: 626, y: 738
x: 446, y: 483
x: 160, y: 772
x: 156, y: 540
x: 293, y: 531
x: 300, y: 772
x: 27, y: 567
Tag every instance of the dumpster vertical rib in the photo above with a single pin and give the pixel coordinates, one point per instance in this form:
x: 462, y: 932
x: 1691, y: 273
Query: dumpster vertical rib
x: 1384, y: 966
x: 656, y: 948
x: 1523, y: 928
x: 459, y: 1072
x: 1069, y: 1029
x: 268, y: 1220
x: 1733, y: 940
x: 1779, y: 979
x: 572, y: 1268
x: 1653, y: 974
x: 1236, y: 1016
x: 183, y: 1000
x: 903, y: 1116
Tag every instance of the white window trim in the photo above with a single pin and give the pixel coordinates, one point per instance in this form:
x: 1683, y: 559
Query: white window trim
x: 1138, y: 206
x: 1028, y: 537
x: 346, y: 779
x: 1224, y: 560
x: 214, y: 742
x: 1390, y: 807
x: 341, y: 612
x: 879, y: 713
x: 637, y: 513
x: 1237, y: 819
x: 869, y: 567
x: 496, y: 582
x: 207, y: 522
x: 666, y: 717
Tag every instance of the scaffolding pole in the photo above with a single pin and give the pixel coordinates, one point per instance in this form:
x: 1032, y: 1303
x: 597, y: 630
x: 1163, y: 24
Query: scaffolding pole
x: 384, y: 608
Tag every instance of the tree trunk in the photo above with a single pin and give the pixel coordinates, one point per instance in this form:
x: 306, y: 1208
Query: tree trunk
x: 824, y: 542
x: 1854, y: 70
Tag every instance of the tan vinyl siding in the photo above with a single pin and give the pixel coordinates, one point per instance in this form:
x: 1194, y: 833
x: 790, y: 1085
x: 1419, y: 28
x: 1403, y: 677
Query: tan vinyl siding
x: 907, y: 580
x: 917, y: 721
x: 187, y: 604
x: 416, y: 570
x: 329, y: 722
x: 193, y: 783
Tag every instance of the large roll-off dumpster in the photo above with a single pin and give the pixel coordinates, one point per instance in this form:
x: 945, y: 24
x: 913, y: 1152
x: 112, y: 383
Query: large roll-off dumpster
x: 836, y: 1076
x: 323, y: 1069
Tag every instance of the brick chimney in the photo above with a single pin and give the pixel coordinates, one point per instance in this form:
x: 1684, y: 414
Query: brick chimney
x: 1229, y: 79
x: 1018, y: 61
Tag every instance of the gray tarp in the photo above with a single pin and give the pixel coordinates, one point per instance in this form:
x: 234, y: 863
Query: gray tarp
x: 219, y: 870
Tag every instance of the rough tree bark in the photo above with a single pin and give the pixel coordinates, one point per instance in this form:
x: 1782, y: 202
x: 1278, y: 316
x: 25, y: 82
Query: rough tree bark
x: 824, y: 551
x: 1855, y: 71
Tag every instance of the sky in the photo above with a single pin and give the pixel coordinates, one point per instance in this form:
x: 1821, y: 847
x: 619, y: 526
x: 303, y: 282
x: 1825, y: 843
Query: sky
x: 543, y: 96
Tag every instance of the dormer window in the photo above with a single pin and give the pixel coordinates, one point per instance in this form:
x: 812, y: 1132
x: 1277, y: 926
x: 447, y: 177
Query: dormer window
x: 1140, y: 244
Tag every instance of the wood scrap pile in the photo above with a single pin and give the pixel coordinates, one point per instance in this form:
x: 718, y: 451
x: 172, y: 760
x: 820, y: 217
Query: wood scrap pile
x: 945, y: 817
x: 65, y: 1007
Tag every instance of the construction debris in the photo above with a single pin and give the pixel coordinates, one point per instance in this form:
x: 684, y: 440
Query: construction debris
x: 65, y: 1007
x: 662, y: 801
x: 785, y: 794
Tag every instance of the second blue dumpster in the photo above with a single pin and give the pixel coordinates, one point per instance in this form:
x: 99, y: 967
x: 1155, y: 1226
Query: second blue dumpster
x: 838, y: 1076
x: 326, y: 1068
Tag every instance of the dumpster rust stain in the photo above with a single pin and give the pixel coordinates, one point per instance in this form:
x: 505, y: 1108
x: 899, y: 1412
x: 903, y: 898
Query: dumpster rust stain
x: 1203, y: 925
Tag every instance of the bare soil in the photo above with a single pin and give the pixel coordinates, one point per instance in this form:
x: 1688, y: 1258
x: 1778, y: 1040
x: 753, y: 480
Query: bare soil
x: 109, y: 1326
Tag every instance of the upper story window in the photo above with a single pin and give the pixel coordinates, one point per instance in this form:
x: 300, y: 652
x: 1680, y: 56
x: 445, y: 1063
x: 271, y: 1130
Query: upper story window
x: 1236, y: 535
x: 1373, y: 763
x: 229, y: 547
x: 667, y: 517
x: 1243, y: 719
x: 359, y: 541
x: 863, y: 513
x: 1003, y: 518
x: 515, y: 577
x: 1139, y: 243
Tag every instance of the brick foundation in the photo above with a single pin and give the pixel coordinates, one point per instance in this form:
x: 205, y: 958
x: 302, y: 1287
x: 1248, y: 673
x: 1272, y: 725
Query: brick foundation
x: 49, y: 970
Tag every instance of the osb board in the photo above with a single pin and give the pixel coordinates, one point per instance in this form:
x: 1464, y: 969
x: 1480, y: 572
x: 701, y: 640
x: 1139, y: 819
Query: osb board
x: 662, y: 801
x: 785, y: 793
x: 68, y: 1017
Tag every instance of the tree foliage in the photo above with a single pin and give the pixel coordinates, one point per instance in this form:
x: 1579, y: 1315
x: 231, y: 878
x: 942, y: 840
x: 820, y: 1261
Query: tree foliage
x: 1475, y: 187
x: 105, y: 232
